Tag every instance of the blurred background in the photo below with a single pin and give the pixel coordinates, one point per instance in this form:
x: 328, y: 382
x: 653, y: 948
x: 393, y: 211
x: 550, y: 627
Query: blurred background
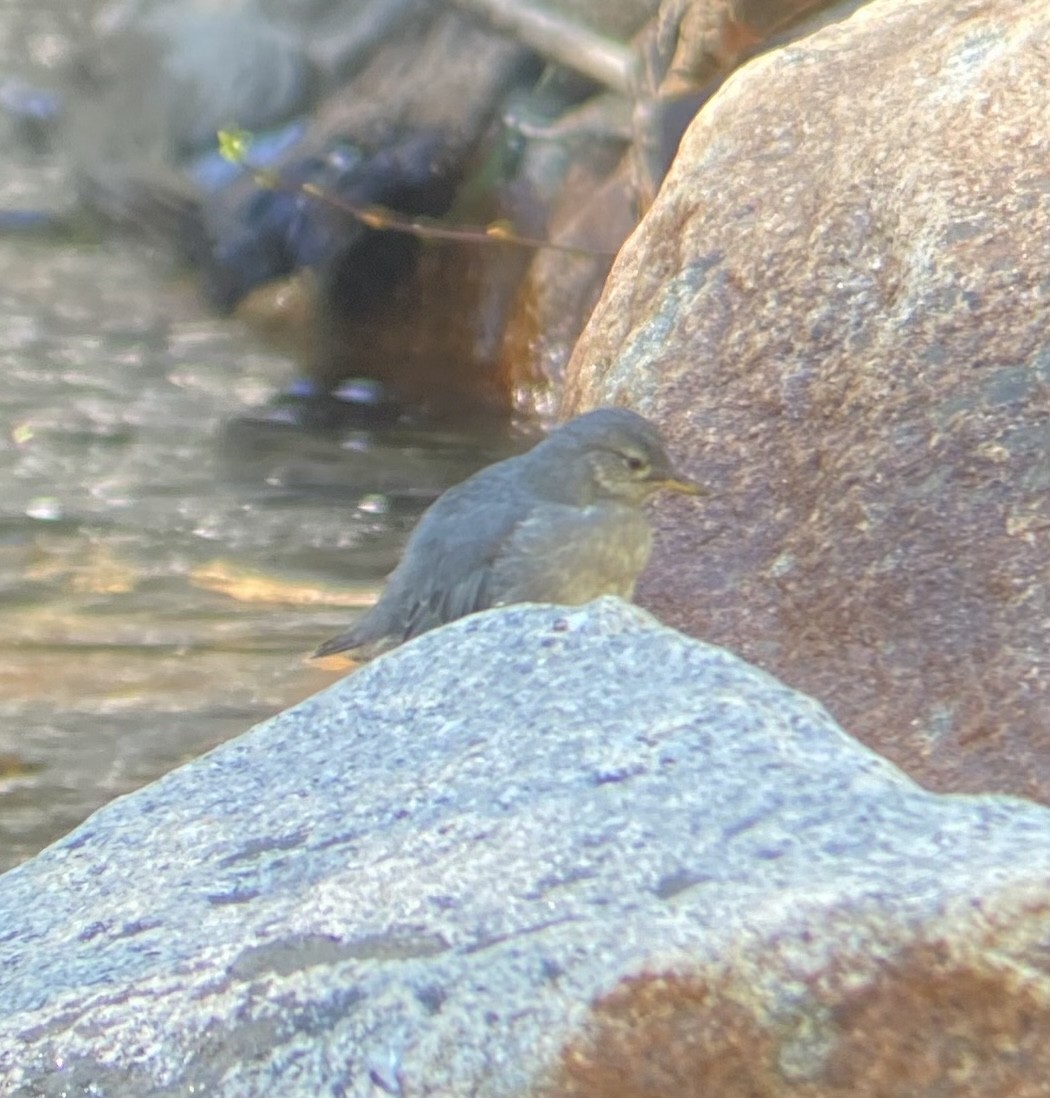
x: 179, y: 526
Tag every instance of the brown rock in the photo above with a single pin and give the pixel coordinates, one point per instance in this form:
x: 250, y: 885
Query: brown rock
x: 431, y: 337
x: 695, y: 41
x: 684, y: 53
x: 838, y: 307
x: 592, y: 210
x: 939, y: 1016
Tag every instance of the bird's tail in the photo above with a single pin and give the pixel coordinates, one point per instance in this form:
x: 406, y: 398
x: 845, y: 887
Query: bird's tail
x: 367, y: 637
x: 344, y: 642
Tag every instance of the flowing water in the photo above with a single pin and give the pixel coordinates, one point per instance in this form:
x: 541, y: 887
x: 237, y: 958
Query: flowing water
x: 167, y: 561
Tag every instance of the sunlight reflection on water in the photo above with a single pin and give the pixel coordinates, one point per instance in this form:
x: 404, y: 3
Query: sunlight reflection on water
x: 165, y: 565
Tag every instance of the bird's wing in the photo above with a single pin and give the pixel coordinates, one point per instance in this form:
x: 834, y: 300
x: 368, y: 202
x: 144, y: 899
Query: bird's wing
x: 446, y: 570
x: 450, y: 597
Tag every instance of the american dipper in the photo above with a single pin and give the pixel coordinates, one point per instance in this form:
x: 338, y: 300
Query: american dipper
x: 562, y: 523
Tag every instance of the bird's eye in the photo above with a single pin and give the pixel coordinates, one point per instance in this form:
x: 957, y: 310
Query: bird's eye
x: 635, y: 463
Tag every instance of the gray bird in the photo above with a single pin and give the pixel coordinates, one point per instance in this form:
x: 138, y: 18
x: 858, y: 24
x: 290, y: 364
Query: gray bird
x: 562, y: 523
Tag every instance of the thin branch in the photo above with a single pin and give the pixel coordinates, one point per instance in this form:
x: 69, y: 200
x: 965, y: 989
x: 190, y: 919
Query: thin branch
x: 387, y: 220
x: 560, y: 39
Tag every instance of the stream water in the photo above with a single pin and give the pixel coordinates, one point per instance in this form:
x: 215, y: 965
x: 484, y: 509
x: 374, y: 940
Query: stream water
x: 167, y: 559
x: 166, y: 563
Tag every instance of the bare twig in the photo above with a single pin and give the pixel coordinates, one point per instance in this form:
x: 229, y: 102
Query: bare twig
x: 562, y: 40
x: 381, y: 218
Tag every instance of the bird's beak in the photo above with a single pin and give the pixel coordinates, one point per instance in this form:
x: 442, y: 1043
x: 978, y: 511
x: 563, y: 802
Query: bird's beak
x: 683, y: 485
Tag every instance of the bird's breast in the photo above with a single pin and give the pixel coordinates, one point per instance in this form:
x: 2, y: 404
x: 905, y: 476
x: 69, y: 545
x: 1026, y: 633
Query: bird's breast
x: 570, y: 555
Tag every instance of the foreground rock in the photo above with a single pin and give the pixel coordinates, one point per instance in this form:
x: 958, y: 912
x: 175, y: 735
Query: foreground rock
x: 838, y: 305
x: 542, y: 852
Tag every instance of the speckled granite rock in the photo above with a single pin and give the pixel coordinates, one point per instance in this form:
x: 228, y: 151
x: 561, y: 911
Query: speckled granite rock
x: 539, y: 852
x: 838, y: 306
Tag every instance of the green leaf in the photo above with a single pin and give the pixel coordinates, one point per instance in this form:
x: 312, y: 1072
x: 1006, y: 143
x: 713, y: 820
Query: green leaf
x: 234, y: 144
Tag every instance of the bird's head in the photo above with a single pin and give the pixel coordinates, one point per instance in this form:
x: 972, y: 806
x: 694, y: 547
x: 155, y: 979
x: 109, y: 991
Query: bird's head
x: 613, y: 454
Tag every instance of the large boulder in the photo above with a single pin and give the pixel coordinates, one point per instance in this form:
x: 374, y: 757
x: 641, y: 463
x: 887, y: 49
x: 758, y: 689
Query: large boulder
x: 838, y: 307
x: 538, y: 852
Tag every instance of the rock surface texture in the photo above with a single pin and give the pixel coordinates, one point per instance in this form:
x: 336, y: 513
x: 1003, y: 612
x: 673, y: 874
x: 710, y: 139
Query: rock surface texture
x: 539, y: 852
x: 839, y: 305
